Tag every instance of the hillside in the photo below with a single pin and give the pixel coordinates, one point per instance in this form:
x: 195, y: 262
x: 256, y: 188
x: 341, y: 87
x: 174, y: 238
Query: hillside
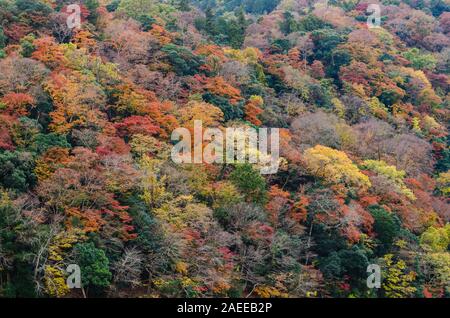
x: 87, y: 174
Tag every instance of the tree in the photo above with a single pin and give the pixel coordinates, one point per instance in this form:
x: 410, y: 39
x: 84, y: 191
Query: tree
x: 78, y: 100
x: 218, y: 86
x: 253, y: 109
x: 288, y: 25
x: 16, y: 170
x: 412, y: 26
x: 184, y: 5
x: 250, y: 182
x: 128, y: 269
x: 136, y: 125
x: 51, y: 160
x: 325, y: 41
x: 21, y: 75
x: 410, y: 153
x: 386, y: 226
x: 153, y: 188
x: 16, y: 229
x: 228, y: 30
x: 27, y: 45
x: 334, y: 167
x: 278, y: 202
x: 316, y: 128
x: 419, y: 60
x: 372, y: 81
x: 60, y: 30
x: 351, y: 263
x: 436, y: 269
x: 396, y: 281
x: 92, y: 6
x: 136, y: 8
x: 81, y: 192
x: 54, y: 273
x: 436, y: 239
x: 372, y: 138
x: 238, y: 35
x: 42, y: 142
x: 94, y: 265
x: 391, y: 173
x: 435, y: 263
x: 2, y: 38
x: 444, y: 183
x: 17, y: 104
x: 210, y: 115
x: 184, y: 62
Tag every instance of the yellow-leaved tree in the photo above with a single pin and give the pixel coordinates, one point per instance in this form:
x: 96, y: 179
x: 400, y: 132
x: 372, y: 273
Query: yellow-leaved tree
x: 152, y: 183
x: 334, y: 166
x: 54, y: 270
x: 443, y: 183
x: 392, y: 174
x: 435, y: 263
x: 397, y: 281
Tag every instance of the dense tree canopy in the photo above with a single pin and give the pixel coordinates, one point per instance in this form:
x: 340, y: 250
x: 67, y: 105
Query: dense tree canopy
x: 86, y: 175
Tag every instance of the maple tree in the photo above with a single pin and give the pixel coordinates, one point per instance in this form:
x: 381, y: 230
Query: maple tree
x: 253, y: 109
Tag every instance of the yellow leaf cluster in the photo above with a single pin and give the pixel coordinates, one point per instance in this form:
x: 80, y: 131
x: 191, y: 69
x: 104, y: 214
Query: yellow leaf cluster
x: 55, y: 281
x: 391, y: 173
x: 269, y: 292
x: 334, y: 167
x: 397, y: 283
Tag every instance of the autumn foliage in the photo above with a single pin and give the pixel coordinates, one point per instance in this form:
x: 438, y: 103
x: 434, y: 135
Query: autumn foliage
x: 86, y: 173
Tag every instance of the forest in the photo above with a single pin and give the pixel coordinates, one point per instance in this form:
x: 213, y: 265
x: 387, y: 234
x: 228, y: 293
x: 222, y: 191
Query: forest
x: 86, y: 174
